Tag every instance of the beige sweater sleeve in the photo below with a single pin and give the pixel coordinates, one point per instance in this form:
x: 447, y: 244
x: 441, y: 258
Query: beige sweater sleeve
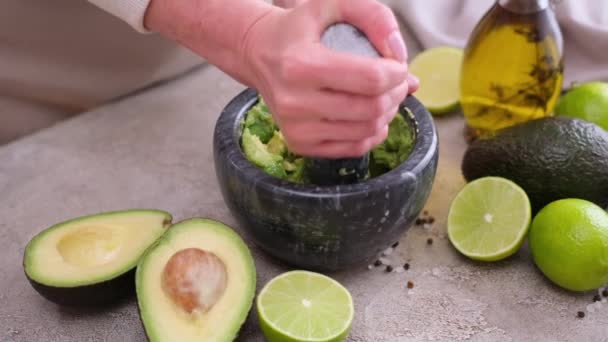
x: 130, y: 11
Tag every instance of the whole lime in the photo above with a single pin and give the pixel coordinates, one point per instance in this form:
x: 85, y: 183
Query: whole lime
x: 587, y: 101
x: 569, y: 243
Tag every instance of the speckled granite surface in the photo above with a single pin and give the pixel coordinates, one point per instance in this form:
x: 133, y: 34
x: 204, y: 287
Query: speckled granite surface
x: 154, y: 150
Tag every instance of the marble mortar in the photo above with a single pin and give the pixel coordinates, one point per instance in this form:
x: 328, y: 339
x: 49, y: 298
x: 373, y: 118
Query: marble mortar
x: 323, y: 228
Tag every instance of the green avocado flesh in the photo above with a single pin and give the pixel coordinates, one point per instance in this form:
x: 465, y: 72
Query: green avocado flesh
x: 89, y: 259
x: 163, y: 318
x: 264, y: 146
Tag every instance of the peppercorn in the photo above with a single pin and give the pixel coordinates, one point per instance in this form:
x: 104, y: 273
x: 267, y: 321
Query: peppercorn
x: 580, y: 314
x: 377, y: 263
x: 410, y: 285
x: 597, y: 298
x: 389, y: 268
x: 406, y: 266
x: 431, y: 220
x: 605, y: 293
x: 419, y: 221
x: 395, y: 244
x: 429, y: 241
x: 425, y: 213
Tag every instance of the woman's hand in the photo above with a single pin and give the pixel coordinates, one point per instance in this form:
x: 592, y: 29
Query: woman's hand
x: 327, y: 103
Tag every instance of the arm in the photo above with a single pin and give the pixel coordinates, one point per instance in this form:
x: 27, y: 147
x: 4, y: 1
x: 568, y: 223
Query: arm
x: 133, y: 11
x: 214, y: 29
x: 328, y: 104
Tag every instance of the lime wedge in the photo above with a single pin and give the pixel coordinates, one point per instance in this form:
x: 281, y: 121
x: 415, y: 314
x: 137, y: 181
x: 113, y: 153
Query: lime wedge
x: 438, y: 70
x: 489, y: 219
x: 304, y: 306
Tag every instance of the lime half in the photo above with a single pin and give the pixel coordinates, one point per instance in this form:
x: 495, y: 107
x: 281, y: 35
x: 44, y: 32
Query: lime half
x: 489, y: 219
x: 439, y: 72
x: 304, y: 306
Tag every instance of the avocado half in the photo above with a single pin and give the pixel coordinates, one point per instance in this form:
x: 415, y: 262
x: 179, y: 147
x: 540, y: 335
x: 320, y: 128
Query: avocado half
x: 206, y: 261
x: 91, y: 260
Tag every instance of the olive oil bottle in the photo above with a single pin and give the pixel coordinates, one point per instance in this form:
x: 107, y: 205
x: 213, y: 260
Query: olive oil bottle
x: 512, y: 69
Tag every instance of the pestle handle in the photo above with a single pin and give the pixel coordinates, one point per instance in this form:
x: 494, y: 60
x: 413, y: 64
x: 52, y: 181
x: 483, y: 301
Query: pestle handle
x: 342, y: 37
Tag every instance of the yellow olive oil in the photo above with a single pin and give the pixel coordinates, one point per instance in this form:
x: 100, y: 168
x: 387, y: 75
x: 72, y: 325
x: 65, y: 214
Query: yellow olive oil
x: 512, y: 69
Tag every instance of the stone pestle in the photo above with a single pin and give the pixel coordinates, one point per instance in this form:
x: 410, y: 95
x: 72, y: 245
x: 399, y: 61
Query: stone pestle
x: 342, y: 37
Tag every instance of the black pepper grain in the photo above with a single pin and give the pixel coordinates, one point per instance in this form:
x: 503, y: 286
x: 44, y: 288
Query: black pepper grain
x: 597, y: 298
x: 406, y: 266
x: 429, y: 241
x: 580, y: 314
x: 419, y: 221
x: 377, y: 263
x: 425, y: 213
x: 431, y: 220
x: 410, y: 285
x: 605, y: 293
x: 389, y: 268
x: 395, y: 244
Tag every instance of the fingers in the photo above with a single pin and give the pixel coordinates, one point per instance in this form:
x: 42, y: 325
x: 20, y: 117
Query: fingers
x: 334, y: 138
x: 338, y: 106
x: 341, y: 149
x: 326, y: 69
x: 375, y: 19
x: 354, y: 125
x: 314, y: 132
x: 413, y: 83
x: 356, y: 74
x: 378, y: 22
x: 328, y: 103
x: 318, y: 66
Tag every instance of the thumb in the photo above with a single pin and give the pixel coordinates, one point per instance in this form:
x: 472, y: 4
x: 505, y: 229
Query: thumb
x: 378, y: 22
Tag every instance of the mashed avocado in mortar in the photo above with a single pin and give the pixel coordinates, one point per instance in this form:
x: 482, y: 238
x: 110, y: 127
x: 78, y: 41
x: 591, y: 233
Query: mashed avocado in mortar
x: 264, y: 146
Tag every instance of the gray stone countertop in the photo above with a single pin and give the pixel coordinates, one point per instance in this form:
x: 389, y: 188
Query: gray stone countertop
x: 154, y: 150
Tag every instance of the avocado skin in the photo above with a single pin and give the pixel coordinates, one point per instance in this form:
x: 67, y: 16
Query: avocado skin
x: 105, y: 293
x: 550, y: 158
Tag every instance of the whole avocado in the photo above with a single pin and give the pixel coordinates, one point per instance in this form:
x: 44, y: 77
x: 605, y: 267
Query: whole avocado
x: 550, y: 158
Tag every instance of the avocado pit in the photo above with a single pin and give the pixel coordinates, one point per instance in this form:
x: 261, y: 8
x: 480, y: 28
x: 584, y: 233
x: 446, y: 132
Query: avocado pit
x: 194, y: 279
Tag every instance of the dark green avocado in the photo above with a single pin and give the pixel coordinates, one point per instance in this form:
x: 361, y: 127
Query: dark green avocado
x: 91, y: 260
x: 550, y: 158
